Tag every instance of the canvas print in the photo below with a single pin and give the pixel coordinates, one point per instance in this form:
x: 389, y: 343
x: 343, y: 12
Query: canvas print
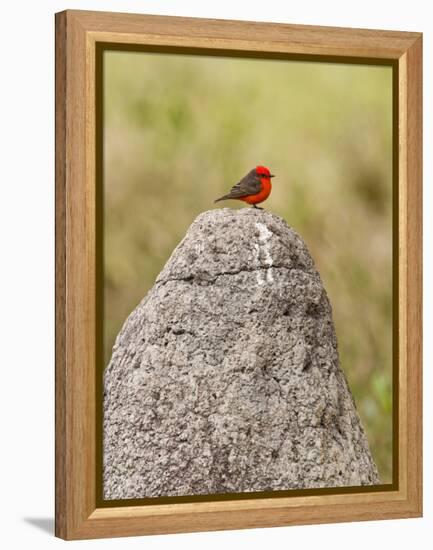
x: 247, y: 275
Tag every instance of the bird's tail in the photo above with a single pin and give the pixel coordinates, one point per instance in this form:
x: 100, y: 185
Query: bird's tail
x: 223, y: 198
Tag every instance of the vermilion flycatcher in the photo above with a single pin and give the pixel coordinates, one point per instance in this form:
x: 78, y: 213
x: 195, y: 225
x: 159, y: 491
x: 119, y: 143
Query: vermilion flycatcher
x: 254, y: 188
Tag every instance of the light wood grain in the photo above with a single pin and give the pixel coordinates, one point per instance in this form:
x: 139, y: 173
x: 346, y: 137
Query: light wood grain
x: 245, y: 35
x: 77, y: 33
x: 61, y: 441
x: 75, y: 373
x: 413, y: 290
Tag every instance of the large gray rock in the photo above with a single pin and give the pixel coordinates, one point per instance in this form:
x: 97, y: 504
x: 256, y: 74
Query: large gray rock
x: 226, y: 377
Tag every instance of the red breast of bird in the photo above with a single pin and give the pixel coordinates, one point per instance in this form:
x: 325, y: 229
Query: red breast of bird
x: 266, y: 186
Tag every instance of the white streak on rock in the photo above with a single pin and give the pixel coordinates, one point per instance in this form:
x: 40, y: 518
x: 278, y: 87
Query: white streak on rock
x: 259, y: 274
x: 263, y: 249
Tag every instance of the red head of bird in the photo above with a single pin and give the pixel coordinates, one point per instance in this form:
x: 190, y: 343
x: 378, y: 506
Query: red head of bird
x: 263, y: 172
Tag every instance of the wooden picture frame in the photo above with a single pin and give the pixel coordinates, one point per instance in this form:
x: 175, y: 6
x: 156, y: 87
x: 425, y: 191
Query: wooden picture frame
x: 78, y: 36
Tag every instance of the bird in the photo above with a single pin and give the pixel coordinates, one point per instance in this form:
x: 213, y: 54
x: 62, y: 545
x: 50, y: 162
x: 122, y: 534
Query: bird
x: 253, y: 189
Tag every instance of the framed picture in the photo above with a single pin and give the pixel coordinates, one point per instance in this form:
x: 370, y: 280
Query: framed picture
x: 238, y: 274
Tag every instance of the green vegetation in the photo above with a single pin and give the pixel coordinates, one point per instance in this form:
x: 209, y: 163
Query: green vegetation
x: 180, y: 130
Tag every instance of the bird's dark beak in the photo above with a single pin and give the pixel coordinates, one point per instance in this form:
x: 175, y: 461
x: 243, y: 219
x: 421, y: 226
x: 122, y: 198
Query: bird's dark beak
x: 272, y: 175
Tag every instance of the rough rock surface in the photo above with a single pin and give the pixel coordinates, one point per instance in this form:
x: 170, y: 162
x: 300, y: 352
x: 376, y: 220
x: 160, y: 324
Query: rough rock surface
x: 226, y: 377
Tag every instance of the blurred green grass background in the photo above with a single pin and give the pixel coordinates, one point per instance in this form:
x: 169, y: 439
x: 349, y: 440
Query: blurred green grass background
x: 180, y: 130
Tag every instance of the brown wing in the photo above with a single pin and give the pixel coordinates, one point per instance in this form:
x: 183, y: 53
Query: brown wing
x: 249, y: 185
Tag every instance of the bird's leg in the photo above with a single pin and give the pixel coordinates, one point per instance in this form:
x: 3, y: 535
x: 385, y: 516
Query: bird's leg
x: 257, y: 207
